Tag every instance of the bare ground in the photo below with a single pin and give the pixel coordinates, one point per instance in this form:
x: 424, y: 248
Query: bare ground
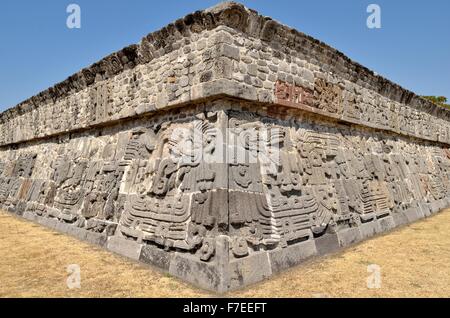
x: 414, y: 262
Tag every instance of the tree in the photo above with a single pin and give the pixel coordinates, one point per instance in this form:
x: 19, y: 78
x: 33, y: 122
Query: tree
x: 438, y: 100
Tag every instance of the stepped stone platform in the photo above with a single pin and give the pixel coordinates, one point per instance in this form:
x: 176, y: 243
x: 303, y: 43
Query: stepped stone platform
x: 225, y: 148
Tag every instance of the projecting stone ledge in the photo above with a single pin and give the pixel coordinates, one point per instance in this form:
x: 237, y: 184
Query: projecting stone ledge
x: 225, y: 148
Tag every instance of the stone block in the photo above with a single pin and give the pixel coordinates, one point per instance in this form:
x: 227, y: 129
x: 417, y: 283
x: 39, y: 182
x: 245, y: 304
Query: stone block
x: 349, y: 236
x: 76, y: 232
x: 413, y: 214
x: 229, y: 51
x: 369, y: 229
x: 29, y: 216
x: 327, y: 243
x: 435, y: 207
x: 424, y: 208
x: 124, y: 247
x: 281, y: 259
x: 386, y: 223
x: 400, y: 219
x: 202, y: 274
x: 447, y: 201
x: 442, y: 204
x: 96, y: 238
x: 50, y: 223
x: 62, y: 227
x: 155, y: 256
x: 249, y: 270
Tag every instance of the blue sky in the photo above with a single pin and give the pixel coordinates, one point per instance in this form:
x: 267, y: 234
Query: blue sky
x: 37, y: 49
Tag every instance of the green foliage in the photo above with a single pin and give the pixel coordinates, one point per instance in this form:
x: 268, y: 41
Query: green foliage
x: 438, y: 100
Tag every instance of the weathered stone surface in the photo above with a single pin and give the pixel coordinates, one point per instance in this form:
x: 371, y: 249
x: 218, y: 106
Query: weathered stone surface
x: 281, y: 259
x: 327, y: 243
x: 225, y: 148
x: 249, y: 270
x: 155, y: 256
x: 387, y: 224
x: 124, y: 247
x: 202, y: 274
x: 349, y: 236
x: 371, y: 228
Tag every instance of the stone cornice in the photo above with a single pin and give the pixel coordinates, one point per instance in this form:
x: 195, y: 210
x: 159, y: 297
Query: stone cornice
x: 240, y: 18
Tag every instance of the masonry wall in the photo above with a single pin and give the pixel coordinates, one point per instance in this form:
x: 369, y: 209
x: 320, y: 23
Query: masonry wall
x: 230, y: 50
x: 101, y: 156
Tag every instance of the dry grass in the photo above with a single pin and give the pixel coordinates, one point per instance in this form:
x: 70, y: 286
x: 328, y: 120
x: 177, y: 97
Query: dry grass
x: 415, y: 262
